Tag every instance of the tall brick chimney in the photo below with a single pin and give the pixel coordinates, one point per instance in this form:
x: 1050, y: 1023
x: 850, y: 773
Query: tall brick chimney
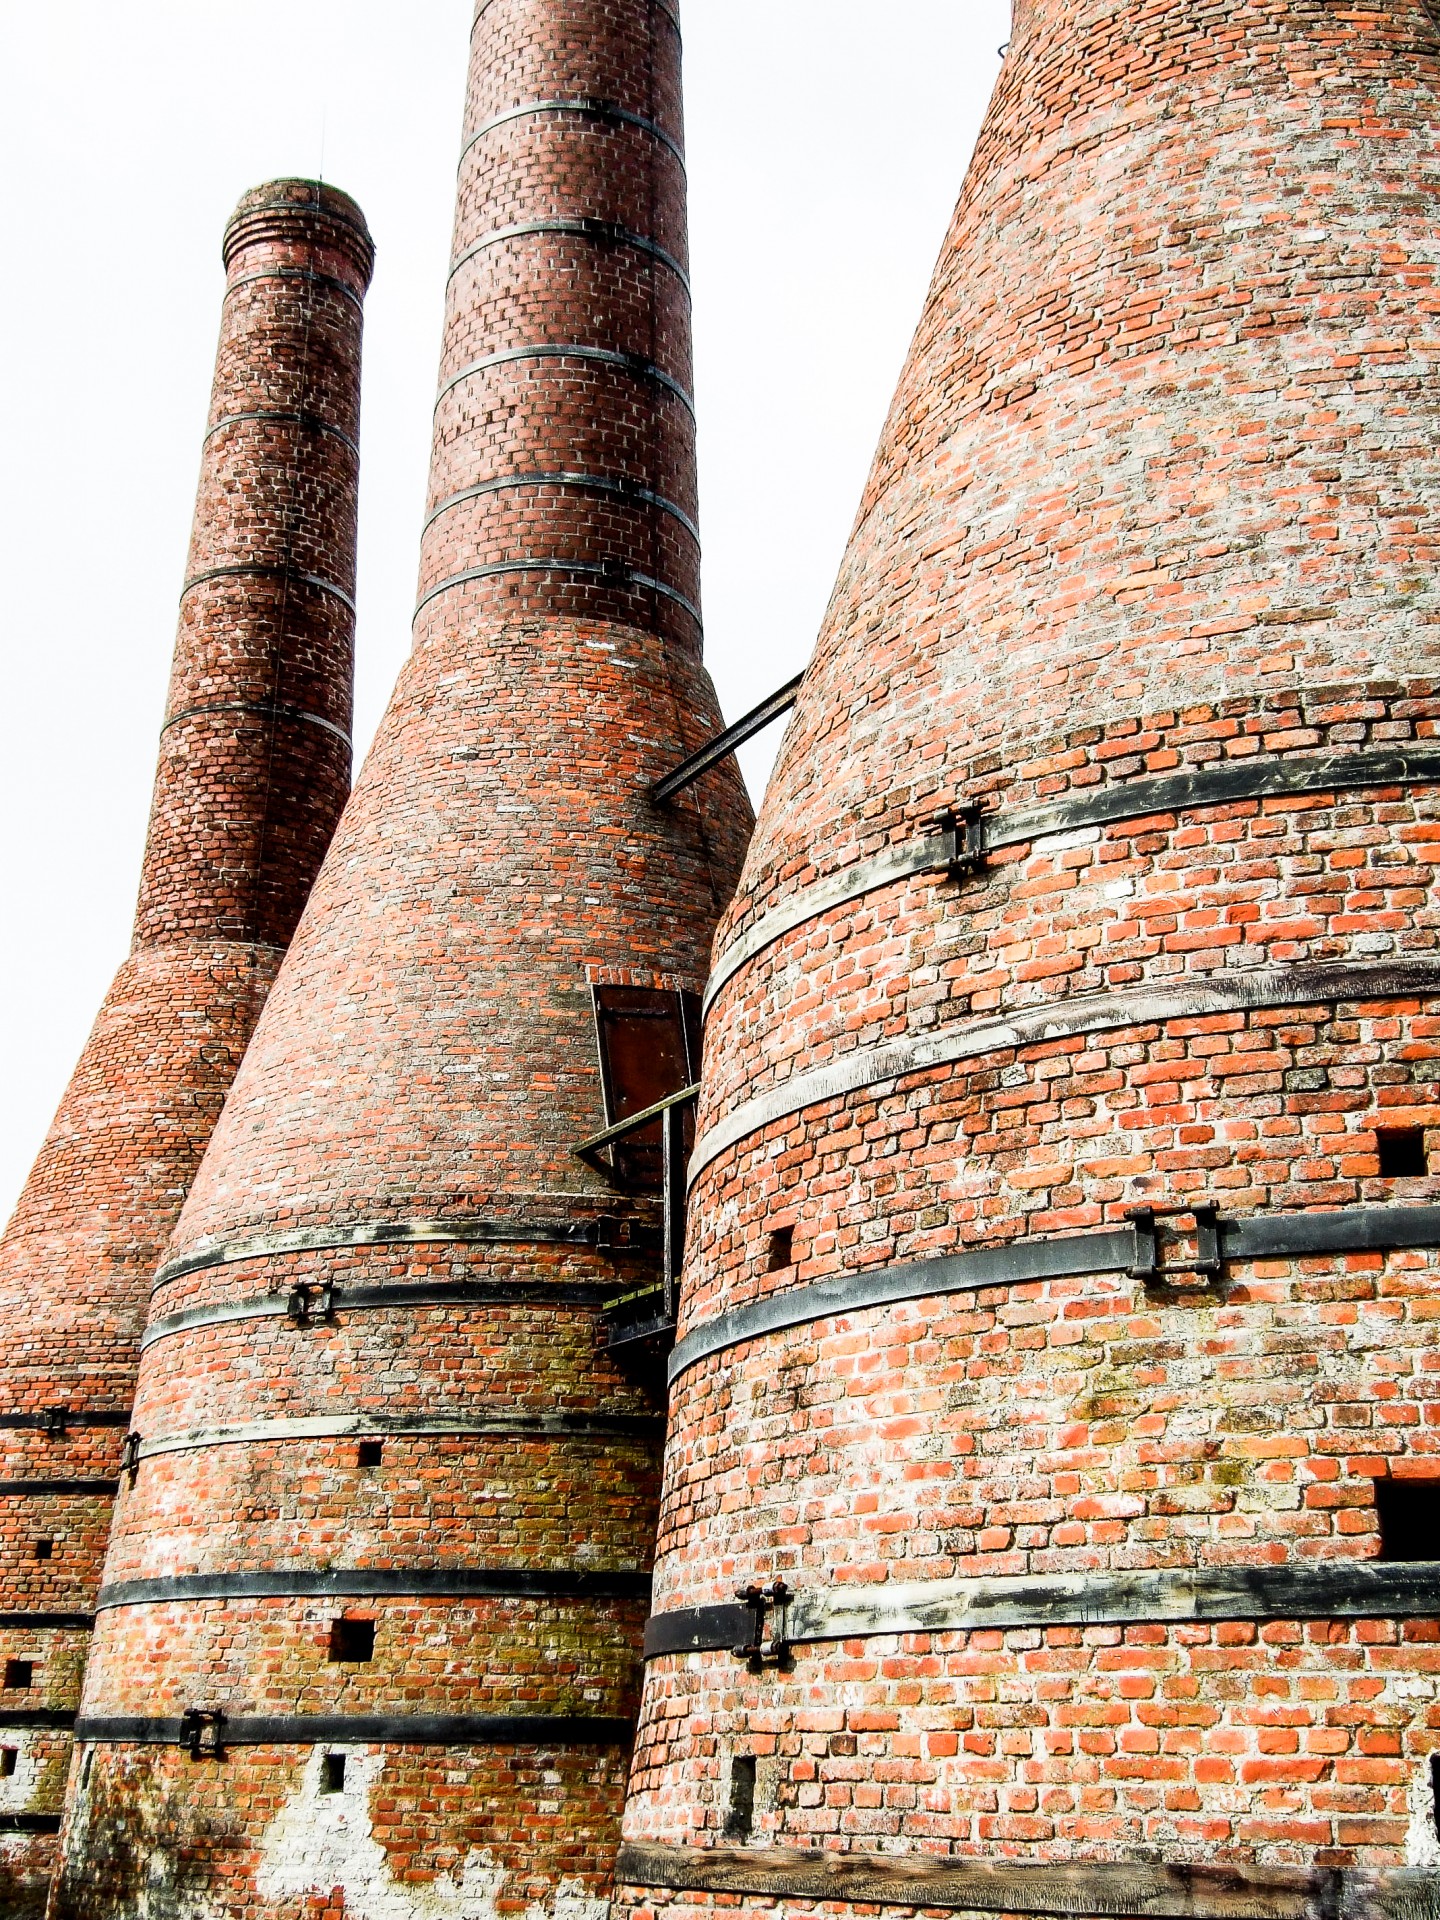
x: 386, y: 1547
x: 254, y: 769
x: 1059, y: 1327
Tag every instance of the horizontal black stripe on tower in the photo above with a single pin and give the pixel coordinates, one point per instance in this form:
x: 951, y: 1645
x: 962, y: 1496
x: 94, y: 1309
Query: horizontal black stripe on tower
x: 1125, y: 1889
x: 672, y: 19
x: 584, y: 107
x: 374, y: 1730
x: 298, y: 273
x: 30, y: 1822
x: 633, y: 363
x: 628, y: 490
x: 39, y: 1489
x: 606, y: 1234
x: 57, y: 1419
x: 1282, y: 1236
x: 383, y: 1583
x: 261, y: 710
x: 283, y: 416
x: 291, y: 575
x: 601, y: 233
x: 1332, y: 1590
x: 38, y: 1719
x: 45, y: 1622
x: 642, y: 1428
x: 398, y: 1297
x: 1258, y: 989
x: 1263, y: 776
x: 607, y: 576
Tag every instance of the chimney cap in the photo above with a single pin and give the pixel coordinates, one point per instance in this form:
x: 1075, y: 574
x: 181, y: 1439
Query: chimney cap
x: 299, y: 210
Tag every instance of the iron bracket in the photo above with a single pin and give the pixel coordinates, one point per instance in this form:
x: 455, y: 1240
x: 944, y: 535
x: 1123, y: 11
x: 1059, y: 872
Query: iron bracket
x: 964, y: 827
x: 756, y: 1652
x: 130, y: 1456
x: 202, y: 1733
x: 308, y: 1304
x: 57, y: 1422
x: 1150, y: 1264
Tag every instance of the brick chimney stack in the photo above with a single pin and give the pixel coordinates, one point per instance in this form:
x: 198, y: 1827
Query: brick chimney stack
x: 1059, y: 1329
x: 253, y: 772
x: 395, y: 1498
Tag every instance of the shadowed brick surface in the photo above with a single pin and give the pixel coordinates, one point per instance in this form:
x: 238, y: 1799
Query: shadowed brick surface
x: 428, y: 1054
x: 1158, y: 491
x: 253, y: 771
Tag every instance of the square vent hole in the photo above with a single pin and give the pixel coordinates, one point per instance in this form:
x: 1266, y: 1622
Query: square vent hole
x: 369, y: 1453
x: 332, y: 1773
x: 44, y: 1549
x: 740, y: 1814
x: 1409, y: 1519
x: 1402, y: 1153
x: 19, y: 1674
x: 9, y: 1761
x: 352, y: 1640
x: 782, y: 1248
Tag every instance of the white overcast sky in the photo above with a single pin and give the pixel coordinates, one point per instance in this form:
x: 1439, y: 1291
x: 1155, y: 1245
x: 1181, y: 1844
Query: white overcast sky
x: 827, y: 142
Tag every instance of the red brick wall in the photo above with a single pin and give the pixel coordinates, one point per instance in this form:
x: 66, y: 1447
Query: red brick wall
x: 428, y: 1055
x: 247, y: 793
x: 1158, y: 494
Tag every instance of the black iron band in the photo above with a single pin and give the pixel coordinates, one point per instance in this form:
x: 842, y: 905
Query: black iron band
x: 626, y: 490
x: 30, y: 1823
x: 632, y: 363
x: 658, y: 5
x: 606, y: 111
x: 397, y: 1298
x: 1293, y: 1236
x: 383, y: 1583
x: 299, y: 273
x: 1261, y: 989
x: 291, y: 575
x: 45, y: 1622
x: 621, y: 577
x: 1127, y: 1890
x: 600, y: 233
x: 262, y: 710
x: 1226, y: 784
x: 605, y: 1234
x: 286, y: 417
x: 41, y: 1719
x: 56, y: 1420
x: 1332, y: 1590
x: 365, y: 1730
x: 640, y: 1428
x: 46, y: 1489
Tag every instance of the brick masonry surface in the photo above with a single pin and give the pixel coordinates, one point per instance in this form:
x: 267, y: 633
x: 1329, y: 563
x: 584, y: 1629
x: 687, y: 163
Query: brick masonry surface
x: 428, y: 1054
x: 1158, y: 492
x: 253, y: 771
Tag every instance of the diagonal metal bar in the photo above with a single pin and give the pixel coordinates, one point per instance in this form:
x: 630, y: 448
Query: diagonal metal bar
x: 714, y: 751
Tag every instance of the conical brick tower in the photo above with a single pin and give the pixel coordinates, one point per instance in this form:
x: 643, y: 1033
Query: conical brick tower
x: 254, y: 770
x: 1108, y: 1533
x: 371, y: 1627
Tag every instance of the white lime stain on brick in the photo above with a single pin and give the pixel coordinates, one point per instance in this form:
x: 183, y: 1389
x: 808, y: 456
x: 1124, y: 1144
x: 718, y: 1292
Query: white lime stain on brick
x: 16, y: 1788
x: 324, y: 1840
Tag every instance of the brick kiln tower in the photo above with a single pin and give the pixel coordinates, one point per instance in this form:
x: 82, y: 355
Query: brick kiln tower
x: 254, y: 770
x: 385, y: 1551
x: 1107, y: 1532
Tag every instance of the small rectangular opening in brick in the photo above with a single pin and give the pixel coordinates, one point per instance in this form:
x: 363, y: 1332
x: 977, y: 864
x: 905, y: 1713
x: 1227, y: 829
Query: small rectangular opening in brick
x: 352, y: 1640
x: 9, y: 1760
x: 1402, y: 1153
x: 1409, y: 1519
x: 369, y: 1453
x: 44, y: 1549
x: 782, y: 1248
x: 332, y: 1773
x: 740, y: 1815
x: 18, y: 1675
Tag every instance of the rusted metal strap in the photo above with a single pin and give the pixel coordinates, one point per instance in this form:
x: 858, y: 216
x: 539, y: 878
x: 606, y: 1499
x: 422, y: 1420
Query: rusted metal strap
x: 613, y: 577
x: 628, y: 490
x: 288, y: 574
x: 585, y: 107
x: 600, y: 233
x: 632, y: 363
x: 1226, y: 783
x: 365, y: 1730
x: 1281, y: 1236
x: 1332, y: 1590
x: 1259, y: 989
x: 1125, y: 1889
x: 285, y: 417
x: 262, y: 710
